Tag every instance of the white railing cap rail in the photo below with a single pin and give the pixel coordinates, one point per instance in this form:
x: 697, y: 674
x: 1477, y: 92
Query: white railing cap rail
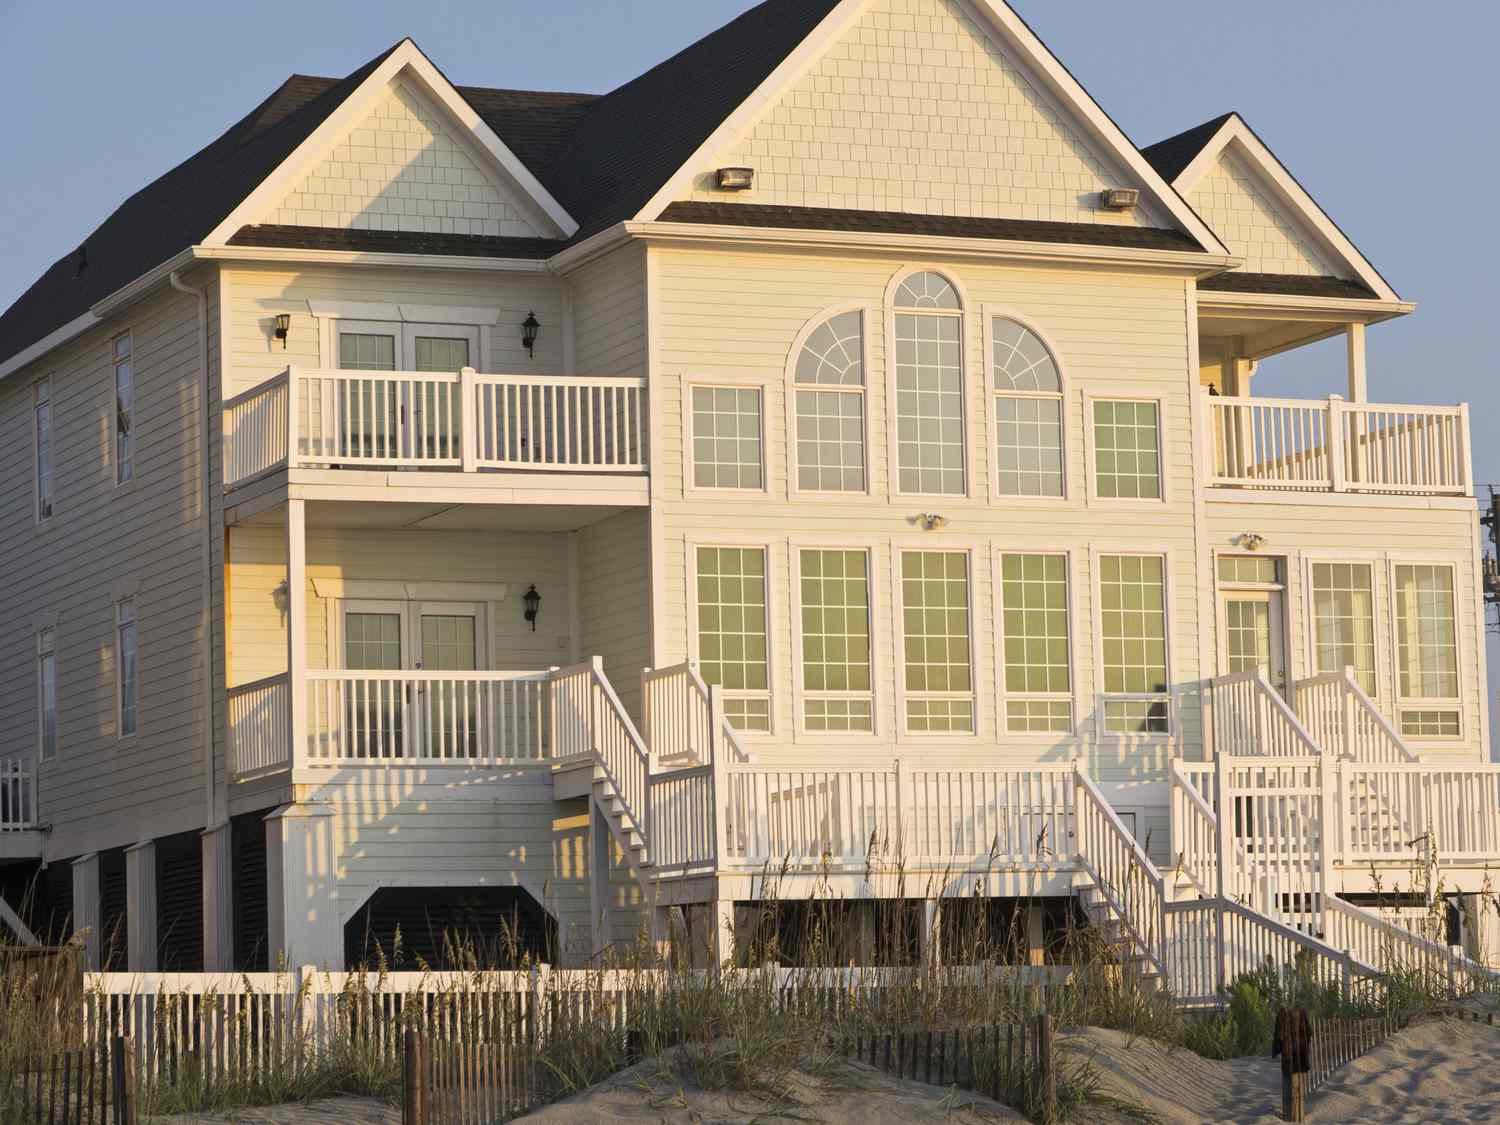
x: 1344, y: 403
x: 257, y: 390
x: 260, y: 684
x: 420, y: 676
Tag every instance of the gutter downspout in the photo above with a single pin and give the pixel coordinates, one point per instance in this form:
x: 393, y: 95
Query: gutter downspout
x: 206, y: 550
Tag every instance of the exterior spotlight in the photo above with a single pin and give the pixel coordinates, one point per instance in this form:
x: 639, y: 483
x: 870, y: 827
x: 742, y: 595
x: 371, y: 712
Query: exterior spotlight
x: 533, y: 602
x: 283, y: 328
x: 736, y: 179
x: 529, y: 328
x: 931, y: 521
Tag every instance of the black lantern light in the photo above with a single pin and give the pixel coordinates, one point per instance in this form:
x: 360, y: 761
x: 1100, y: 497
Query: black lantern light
x: 529, y: 328
x: 533, y: 602
x: 283, y: 328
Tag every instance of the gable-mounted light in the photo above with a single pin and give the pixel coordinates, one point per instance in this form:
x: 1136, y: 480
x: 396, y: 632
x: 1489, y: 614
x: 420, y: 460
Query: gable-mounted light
x: 736, y: 179
x: 1119, y: 199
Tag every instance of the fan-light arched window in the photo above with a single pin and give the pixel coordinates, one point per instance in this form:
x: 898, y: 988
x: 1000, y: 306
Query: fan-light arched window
x: 1028, y: 412
x: 929, y: 386
x: 830, y: 405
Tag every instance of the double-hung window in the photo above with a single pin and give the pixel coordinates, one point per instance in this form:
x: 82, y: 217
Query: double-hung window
x: 46, y: 692
x: 1127, y: 449
x: 1133, y: 634
x: 929, y: 331
x: 732, y: 644
x: 1344, y: 620
x: 125, y: 665
x: 939, y: 678
x: 1034, y: 623
x: 1028, y: 412
x: 726, y: 440
x: 124, y: 409
x: 1426, y: 651
x: 830, y: 406
x: 835, y: 599
x: 41, y: 435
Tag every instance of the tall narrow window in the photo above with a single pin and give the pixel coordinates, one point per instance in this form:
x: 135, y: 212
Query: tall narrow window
x: 41, y: 423
x: 1127, y: 450
x: 1344, y: 617
x: 1427, y: 651
x: 46, y: 691
x: 929, y: 387
x: 1133, y: 625
x: 726, y: 438
x: 125, y: 663
x: 1034, y: 608
x: 935, y: 618
x: 830, y: 399
x: 1028, y: 412
x: 124, y: 410
x: 836, y: 641
x: 732, y: 650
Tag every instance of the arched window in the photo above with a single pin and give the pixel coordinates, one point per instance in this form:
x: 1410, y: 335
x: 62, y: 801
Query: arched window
x: 929, y: 386
x: 1028, y: 412
x: 830, y: 405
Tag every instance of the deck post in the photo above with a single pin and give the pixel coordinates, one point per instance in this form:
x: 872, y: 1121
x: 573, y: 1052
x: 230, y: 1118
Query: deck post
x: 599, y: 864
x: 87, y: 913
x: 1337, y: 465
x: 293, y: 423
x: 1330, y: 770
x: 718, y: 759
x: 218, y: 897
x: 1358, y: 380
x: 1224, y: 831
x: 1465, y: 456
x: 296, y: 632
x: 468, y: 419
x: 140, y: 919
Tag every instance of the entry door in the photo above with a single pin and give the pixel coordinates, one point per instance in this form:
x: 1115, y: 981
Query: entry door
x: 382, y: 419
x: 441, y: 348
x: 1252, y: 634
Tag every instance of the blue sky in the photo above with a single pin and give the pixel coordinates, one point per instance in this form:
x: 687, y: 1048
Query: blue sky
x: 1383, y: 109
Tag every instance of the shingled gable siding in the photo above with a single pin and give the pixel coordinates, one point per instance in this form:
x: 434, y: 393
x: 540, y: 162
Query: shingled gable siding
x: 404, y: 167
x: 915, y: 108
x: 1235, y: 202
x: 100, y: 791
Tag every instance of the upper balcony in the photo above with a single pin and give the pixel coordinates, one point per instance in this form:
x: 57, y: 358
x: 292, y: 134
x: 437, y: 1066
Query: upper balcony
x: 536, y: 433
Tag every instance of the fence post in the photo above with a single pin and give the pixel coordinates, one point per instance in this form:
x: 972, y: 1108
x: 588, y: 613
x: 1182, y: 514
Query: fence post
x: 122, y: 1081
x: 903, y: 787
x: 1329, y: 774
x: 1346, y: 720
x: 468, y: 419
x: 1347, y: 969
x: 1047, y: 1075
x: 414, y: 1104
x: 1337, y: 466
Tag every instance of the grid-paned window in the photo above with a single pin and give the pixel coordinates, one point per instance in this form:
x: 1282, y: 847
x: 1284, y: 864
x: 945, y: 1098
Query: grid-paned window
x: 726, y: 438
x: 1344, y: 619
x: 41, y: 433
x: 929, y: 404
x: 836, y: 683
x: 46, y: 691
x: 1426, y: 649
x: 440, y: 353
x: 124, y: 408
x: 367, y: 351
x: 831, y: 418
x: 372, y: 641
x: 1249, y: 570
x: 732, y: 647
x: 1028, y: 412
x: 1127, y: 450
x: 1034, y: 620
x: 1133, y: 629
x: 126, y: 672
x: 935, y: 635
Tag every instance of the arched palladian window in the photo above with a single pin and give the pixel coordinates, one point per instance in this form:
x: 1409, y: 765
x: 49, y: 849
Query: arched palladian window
x: 929, y: 386
x: 1028, y: 412
x: 830, y: 404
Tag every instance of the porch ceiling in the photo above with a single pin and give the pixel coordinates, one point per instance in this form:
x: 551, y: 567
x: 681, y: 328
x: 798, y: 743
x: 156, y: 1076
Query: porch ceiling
x: 347, y: 514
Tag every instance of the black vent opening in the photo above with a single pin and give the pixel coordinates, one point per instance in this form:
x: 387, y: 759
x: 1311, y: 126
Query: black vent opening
x: 252, y: 930
x: 449, y: 928
x: 179, y: 903
x: 114, y: 912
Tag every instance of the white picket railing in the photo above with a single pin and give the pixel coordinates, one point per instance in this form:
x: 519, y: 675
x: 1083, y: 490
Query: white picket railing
x: 683, y: 820
x: 1121, y: 870
x: 1250, y: 717
x: 464, y: 420
x: 675, y: 714
x: 1407, y: 811
x: 1345, y: 721
x: 621, y: 750
x: 260, y: 726
x: 1333, y: 445
x: 1376, y: 941
x: 1195, y: 833
x: 18, y: 797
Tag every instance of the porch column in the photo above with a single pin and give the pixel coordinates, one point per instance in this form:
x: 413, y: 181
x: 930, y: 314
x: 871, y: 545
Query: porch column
x: 301, y: 903
x: 140, y: 892
x: 218, y: 899
x: 86, y: 911
x: 1358, y: 384
x: 296, y: 629
x: 599, y: 886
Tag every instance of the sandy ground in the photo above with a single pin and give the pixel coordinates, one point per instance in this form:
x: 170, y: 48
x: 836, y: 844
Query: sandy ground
x: 331, y: 1111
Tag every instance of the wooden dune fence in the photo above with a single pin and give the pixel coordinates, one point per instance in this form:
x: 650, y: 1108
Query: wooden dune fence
x: 92, y: 1086
x: 1336, y: 1042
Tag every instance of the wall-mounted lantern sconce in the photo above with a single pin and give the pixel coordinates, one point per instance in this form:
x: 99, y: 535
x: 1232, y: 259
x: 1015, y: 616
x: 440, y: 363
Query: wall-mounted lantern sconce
x: 283, y: 328
x: 533, y: 603
x: 529, y: 328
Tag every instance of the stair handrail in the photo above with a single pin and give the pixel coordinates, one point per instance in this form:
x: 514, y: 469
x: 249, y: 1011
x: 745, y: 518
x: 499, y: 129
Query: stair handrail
x: 1395, y: 745
x: 699, y: 716
x: 1120, y: 868
x: 1188, y: 808
x: 1387, y: 745
x: 1276, y: 730
x: 1348, y: 919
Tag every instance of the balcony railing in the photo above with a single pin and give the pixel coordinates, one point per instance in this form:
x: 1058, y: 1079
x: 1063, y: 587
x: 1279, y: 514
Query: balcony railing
x: 17, y: 793
x: 1337, y: 446
x: 435, y: 420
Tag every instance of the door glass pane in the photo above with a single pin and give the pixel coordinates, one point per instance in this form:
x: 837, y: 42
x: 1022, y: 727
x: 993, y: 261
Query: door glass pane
x: 449, y: 708
x: 374, y: 709
x: 372, y: 642
x: 440, y: 353
x: 367, y: 351
x: 1248, y: 629
x: 448, y: 643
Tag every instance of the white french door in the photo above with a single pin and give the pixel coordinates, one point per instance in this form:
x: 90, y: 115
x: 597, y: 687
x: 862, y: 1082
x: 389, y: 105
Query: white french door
x: 1252, y: 634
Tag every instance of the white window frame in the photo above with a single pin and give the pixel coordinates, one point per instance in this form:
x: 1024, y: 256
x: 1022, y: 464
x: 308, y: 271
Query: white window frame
x: 971, y: 551
x: 794, y: 474
x: 43, y: 386
x: 690, y: 485
x: 873, y: 556
x: 892, y: 420
x: 1401, y: 703
x: 123, y: 465
x: 991, y: 313
x: 1102, y: 732
x: 120, y: 607
x: 410, y: 611
x: 767, y: 548
x: 1376, y: 566
x: 46, y: 649
x: 1091, y: 447
x: 1002, y: 694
